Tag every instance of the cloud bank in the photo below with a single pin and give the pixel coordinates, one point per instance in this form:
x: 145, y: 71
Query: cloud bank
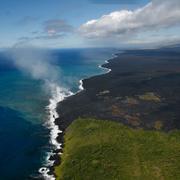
x: 157, y: 14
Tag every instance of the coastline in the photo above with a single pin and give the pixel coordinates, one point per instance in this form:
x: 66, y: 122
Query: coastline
x: 56, y: 132
x: 101, y: 67
x: 114, y: 55
x: 57, y: 95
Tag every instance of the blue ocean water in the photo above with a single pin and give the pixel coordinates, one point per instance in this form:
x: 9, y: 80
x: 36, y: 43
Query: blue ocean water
x: 24, y: 140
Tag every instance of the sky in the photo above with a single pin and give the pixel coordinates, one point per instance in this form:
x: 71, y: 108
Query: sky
x: 89, y: 23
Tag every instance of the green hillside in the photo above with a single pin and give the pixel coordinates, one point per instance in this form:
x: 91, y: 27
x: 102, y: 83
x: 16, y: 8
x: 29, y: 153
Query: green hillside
x: 104, y: 150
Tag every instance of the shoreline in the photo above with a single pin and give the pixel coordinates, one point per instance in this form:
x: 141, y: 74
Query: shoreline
x: 57, y: 96
x: 54, y: 157
x: 81, y: 88
x: 114, y: 55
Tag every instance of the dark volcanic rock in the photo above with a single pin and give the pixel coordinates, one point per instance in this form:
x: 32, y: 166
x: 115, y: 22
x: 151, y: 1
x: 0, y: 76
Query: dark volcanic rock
x: 142, y: 90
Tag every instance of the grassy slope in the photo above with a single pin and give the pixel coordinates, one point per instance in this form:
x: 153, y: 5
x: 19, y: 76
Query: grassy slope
x: 96, y: 150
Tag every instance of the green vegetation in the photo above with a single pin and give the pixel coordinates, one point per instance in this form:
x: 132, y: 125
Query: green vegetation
x: 150, y: 96
x: 104, y: 150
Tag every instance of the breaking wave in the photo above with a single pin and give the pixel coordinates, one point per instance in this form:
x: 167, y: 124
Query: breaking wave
x: 57, y: 94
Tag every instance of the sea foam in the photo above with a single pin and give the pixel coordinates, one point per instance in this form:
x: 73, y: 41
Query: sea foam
x: 57, y: 94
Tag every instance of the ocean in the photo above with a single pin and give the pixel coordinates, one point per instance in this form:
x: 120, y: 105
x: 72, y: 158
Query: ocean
x: 28, y: 102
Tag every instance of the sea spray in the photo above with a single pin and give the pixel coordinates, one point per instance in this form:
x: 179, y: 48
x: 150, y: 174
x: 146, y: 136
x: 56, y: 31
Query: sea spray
x: 104, y: 68
x: 58, y: 94
x: 81, y: 85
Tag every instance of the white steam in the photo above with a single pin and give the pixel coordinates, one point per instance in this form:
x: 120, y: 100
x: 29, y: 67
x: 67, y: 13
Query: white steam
x: 38, y: 64
x: 35, y: 62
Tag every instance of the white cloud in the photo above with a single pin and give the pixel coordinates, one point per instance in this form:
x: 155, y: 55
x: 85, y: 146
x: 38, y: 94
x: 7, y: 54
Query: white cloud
x: 158, y: 14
